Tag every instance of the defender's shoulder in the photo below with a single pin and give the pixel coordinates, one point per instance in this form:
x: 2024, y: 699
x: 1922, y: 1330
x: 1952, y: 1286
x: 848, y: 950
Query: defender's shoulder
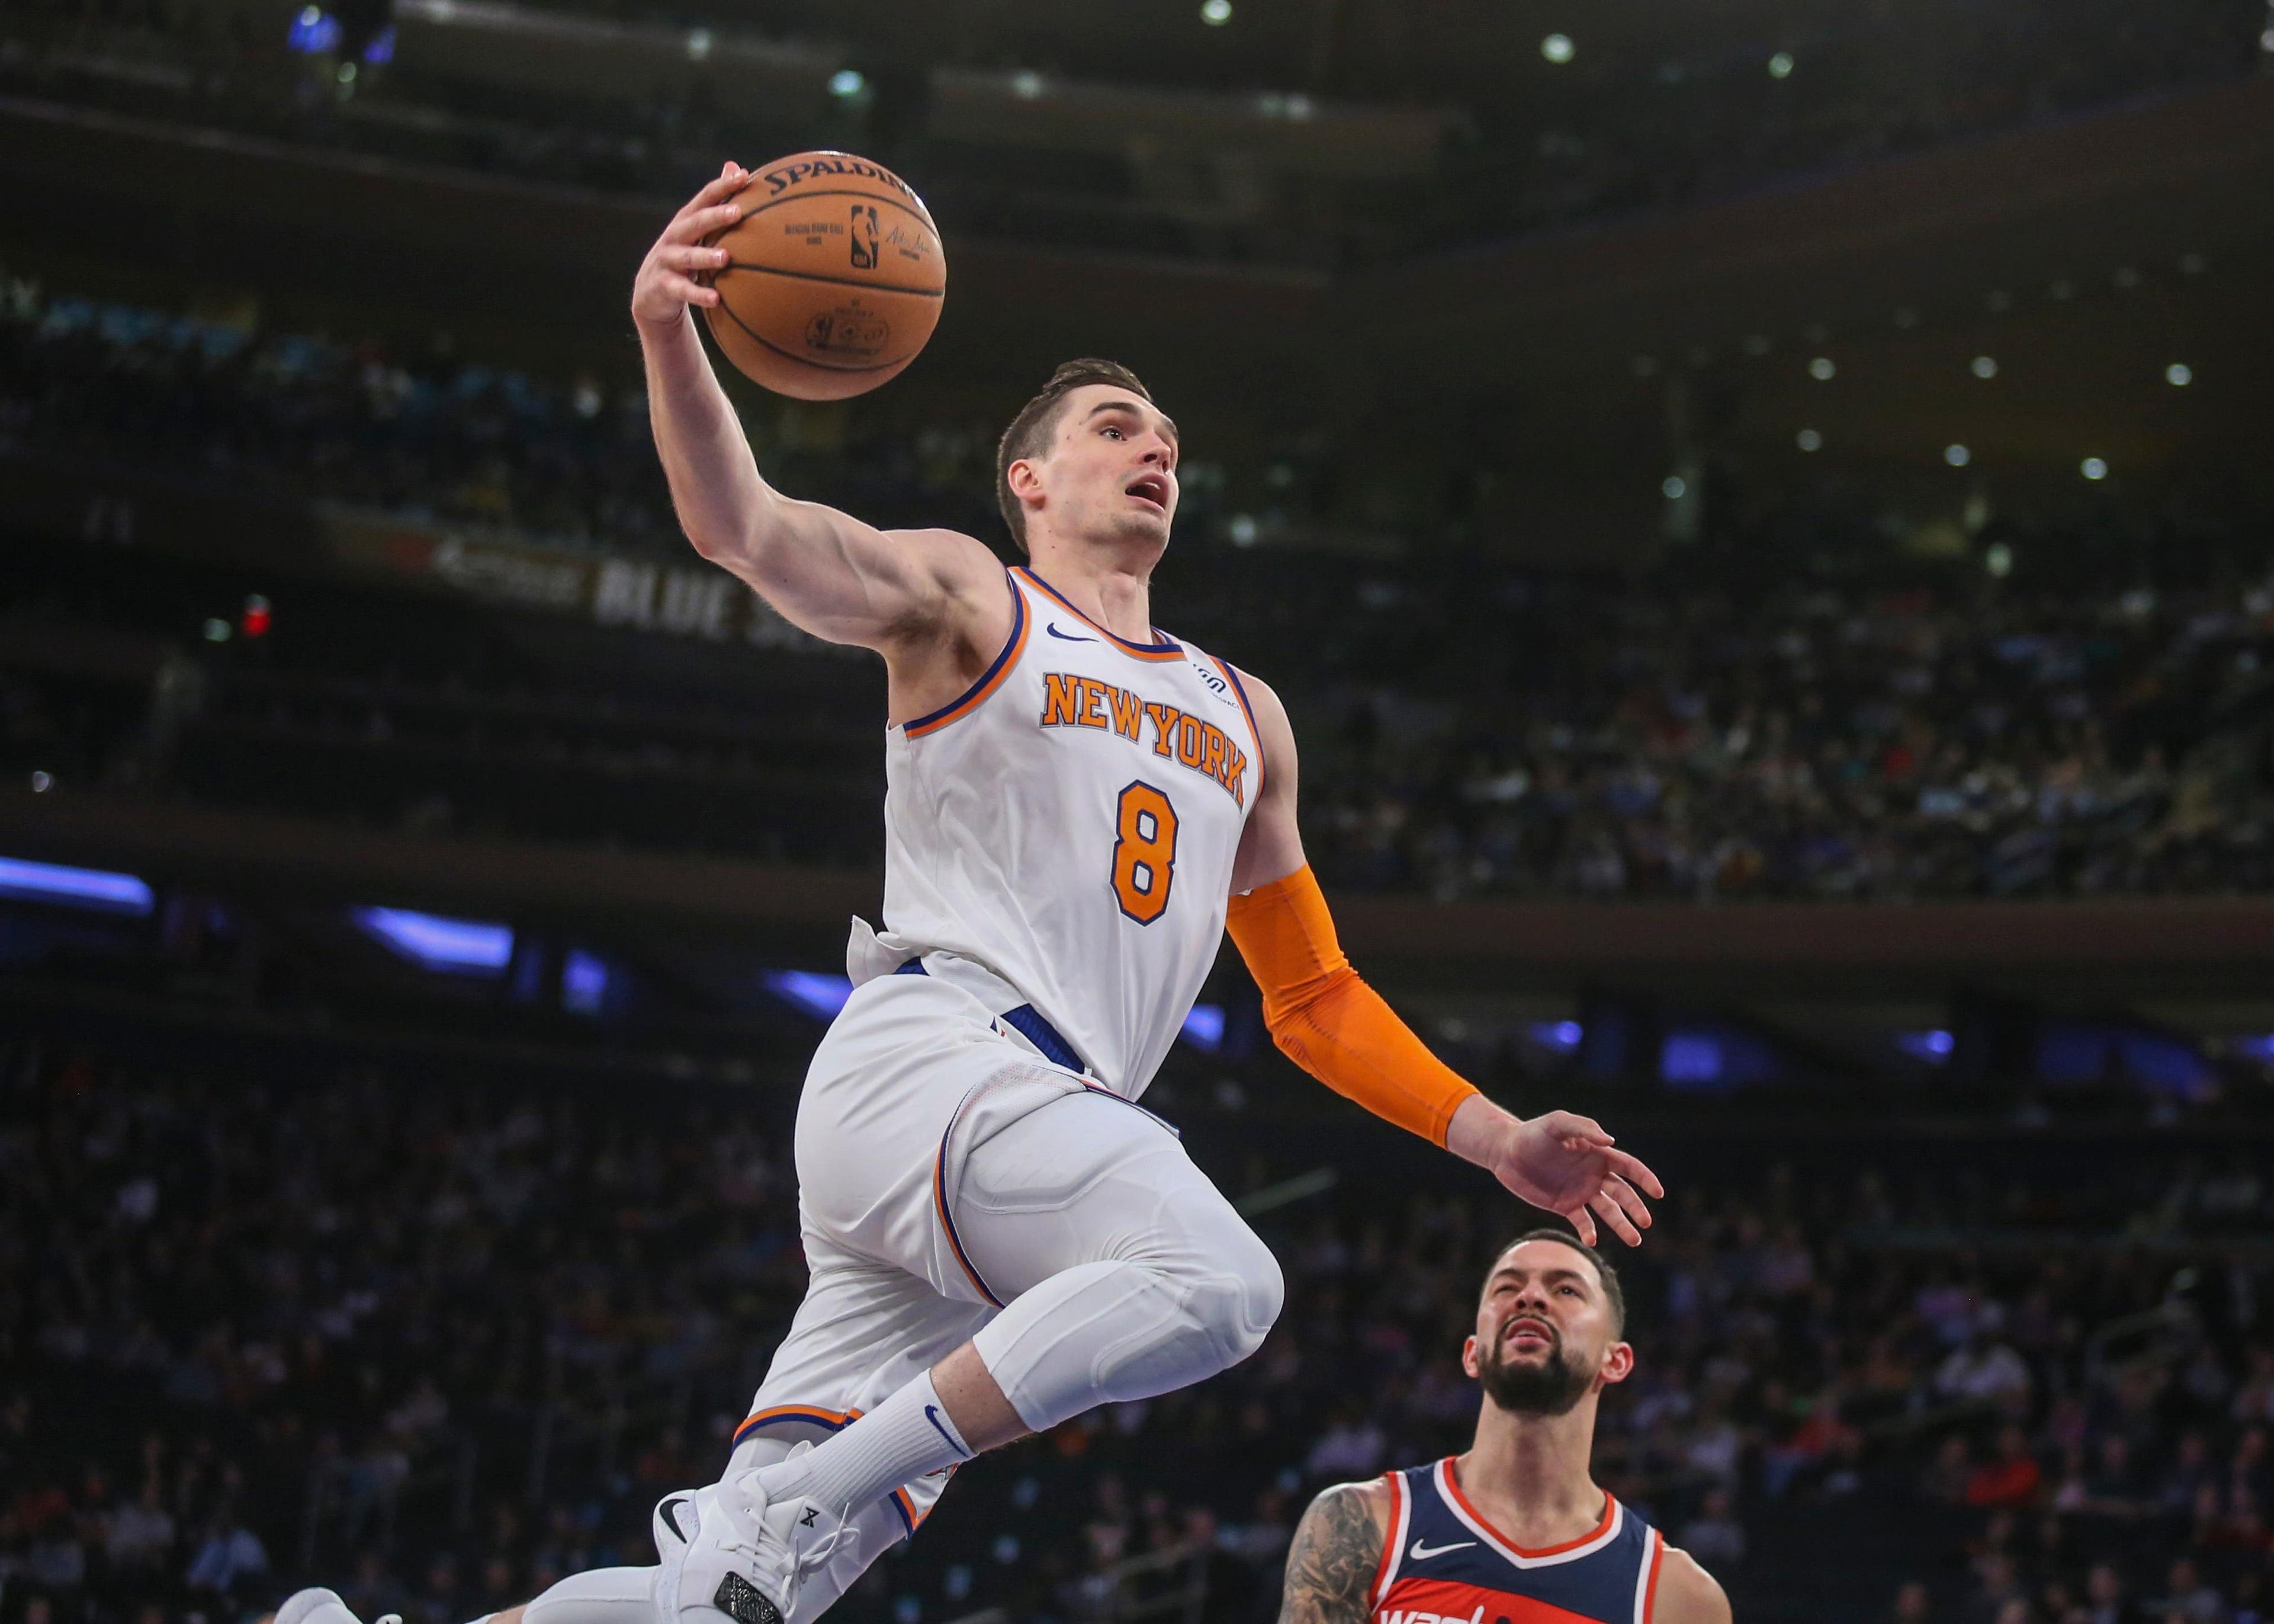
x: 1336, y: 1553
x: 1687, y: 1594
x: 1371, y: 1498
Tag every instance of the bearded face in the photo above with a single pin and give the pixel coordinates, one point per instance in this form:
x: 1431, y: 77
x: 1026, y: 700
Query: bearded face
x: 1539, y: 1376
x: 1546, y: 1332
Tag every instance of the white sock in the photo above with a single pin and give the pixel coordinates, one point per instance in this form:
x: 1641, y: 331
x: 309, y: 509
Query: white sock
x: 897, y: 1442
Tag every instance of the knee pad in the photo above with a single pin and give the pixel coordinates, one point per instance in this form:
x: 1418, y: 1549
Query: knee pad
x: 1235, y: 1294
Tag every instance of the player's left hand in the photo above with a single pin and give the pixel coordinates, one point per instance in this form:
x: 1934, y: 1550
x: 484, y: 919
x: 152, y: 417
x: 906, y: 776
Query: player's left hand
x: 1569, y: 1165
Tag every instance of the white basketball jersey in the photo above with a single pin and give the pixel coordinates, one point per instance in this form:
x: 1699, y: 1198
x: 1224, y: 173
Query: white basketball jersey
x: 1063, y: 835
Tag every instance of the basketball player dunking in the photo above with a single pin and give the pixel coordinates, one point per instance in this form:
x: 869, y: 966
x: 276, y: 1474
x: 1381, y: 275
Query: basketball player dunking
x: 997, y: 1237
x: 1515, y: 1531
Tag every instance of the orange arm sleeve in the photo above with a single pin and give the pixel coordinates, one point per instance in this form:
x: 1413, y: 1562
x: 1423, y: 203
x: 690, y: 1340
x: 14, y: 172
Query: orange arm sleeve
x: 1328, y: 1021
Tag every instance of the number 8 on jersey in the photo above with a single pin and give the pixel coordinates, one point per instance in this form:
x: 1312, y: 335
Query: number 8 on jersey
x: 1144, y: 851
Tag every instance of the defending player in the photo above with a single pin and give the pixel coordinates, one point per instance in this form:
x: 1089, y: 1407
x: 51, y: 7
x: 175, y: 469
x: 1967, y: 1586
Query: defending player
x: 997, y: 1237
x: 1515, y: 1531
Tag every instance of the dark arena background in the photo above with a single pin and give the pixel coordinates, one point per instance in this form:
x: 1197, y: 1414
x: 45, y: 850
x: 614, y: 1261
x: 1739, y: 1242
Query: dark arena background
x: 1762, y: 513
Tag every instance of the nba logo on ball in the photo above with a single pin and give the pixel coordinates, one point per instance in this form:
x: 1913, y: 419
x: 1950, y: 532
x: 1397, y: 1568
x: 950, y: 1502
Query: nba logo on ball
x: 804, y: 318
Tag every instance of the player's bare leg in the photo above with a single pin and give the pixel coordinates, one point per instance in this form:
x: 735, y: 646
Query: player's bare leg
x: 975, y: 1402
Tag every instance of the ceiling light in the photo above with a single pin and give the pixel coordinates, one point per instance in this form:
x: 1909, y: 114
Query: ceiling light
x: 1215, y: 13
x: 1986, y: 366
x: 1999, y: 561
x: 846, y: 83
x: 1781, y: 66
x: 1556, y: 48
x: 2093, y: 468
x: 1674, y: 487
x: 2179, y: 374
x: 1809, y: 439
x: 1957, y: 456
x: 1822, y: 370
x: 698, y: 44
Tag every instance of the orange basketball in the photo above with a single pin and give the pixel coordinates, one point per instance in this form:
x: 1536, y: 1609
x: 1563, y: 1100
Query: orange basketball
x: 835, y: 279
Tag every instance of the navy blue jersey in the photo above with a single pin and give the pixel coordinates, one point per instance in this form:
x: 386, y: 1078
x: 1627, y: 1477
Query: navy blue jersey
x: 1443, y: 1563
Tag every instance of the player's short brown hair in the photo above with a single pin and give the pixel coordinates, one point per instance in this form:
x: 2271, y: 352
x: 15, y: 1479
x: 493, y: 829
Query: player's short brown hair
x: 1029, y: 433
x: 1612, y: 1293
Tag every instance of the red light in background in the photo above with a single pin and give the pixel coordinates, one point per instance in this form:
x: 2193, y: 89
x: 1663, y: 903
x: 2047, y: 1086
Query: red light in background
x: 255, y: 620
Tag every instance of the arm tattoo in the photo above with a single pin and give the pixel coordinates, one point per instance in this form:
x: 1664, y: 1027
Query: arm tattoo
x: 1331, y: 1564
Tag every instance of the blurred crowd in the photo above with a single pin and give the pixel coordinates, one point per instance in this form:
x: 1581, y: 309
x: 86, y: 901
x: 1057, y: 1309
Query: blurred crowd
x: 437, y: 1342
x: 1735, y: 723
x: 1630, y: 123
x: 1703, y: 738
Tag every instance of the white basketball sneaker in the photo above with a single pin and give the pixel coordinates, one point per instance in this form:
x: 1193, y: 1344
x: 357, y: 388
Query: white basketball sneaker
x: 726, y: 1549
x: 318, y: 1605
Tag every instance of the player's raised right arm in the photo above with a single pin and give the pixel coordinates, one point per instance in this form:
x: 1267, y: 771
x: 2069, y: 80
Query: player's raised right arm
x: 824, y: 571
x: 1336, y: 1553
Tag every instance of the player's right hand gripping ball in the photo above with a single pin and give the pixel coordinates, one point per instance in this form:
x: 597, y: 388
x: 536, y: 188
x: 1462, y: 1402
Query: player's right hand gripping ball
x: 834, y: 280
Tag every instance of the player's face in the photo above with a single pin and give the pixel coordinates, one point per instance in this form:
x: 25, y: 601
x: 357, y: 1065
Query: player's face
x: 1112, y: 474
x: 1544, y: 1337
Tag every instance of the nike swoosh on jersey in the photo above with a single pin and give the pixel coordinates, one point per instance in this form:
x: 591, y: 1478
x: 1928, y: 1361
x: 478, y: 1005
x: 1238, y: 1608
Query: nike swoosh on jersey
x: 1052, y: 628
x: 1420, y: 1552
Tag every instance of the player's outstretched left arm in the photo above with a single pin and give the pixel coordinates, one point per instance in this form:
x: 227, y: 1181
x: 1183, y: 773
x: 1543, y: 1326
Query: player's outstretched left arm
x: 1329, y: 1022
x: 1336, y: 1553
x: 1687, y: 1594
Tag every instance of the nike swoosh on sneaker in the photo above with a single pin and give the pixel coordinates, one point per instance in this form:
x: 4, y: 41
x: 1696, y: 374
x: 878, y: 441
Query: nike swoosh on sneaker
x: 1422, y: 1554
x: 669, y: 1511
x: 1052, y: 628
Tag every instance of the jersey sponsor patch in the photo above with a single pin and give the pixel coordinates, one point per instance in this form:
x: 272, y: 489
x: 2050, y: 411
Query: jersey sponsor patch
x: 1071, y: 700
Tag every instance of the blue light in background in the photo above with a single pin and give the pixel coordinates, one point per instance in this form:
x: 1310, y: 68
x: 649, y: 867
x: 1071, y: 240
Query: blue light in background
x: 583, y: 982
x: 1933, y: 1046
x: 382, y: 48
x: 434, y: 941
x: 80, y: 888
x: 1563, y: 1036
x: 1203, y: 1029
x: 816, y: 993
x: 1706, y: 1058
x: 2257, y: 1046
x: 313, y: 32
x: 1691, y: 1059
x: 2079, y: 1052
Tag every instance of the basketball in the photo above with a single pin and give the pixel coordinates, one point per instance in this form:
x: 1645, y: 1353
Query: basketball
x: 835, y: 278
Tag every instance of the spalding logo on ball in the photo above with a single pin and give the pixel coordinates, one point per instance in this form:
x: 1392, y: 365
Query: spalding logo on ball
x: 835, y: 278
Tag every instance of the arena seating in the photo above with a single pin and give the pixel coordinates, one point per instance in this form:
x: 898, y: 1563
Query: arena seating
x: 259, y: 1326
x: 1741, y: 721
